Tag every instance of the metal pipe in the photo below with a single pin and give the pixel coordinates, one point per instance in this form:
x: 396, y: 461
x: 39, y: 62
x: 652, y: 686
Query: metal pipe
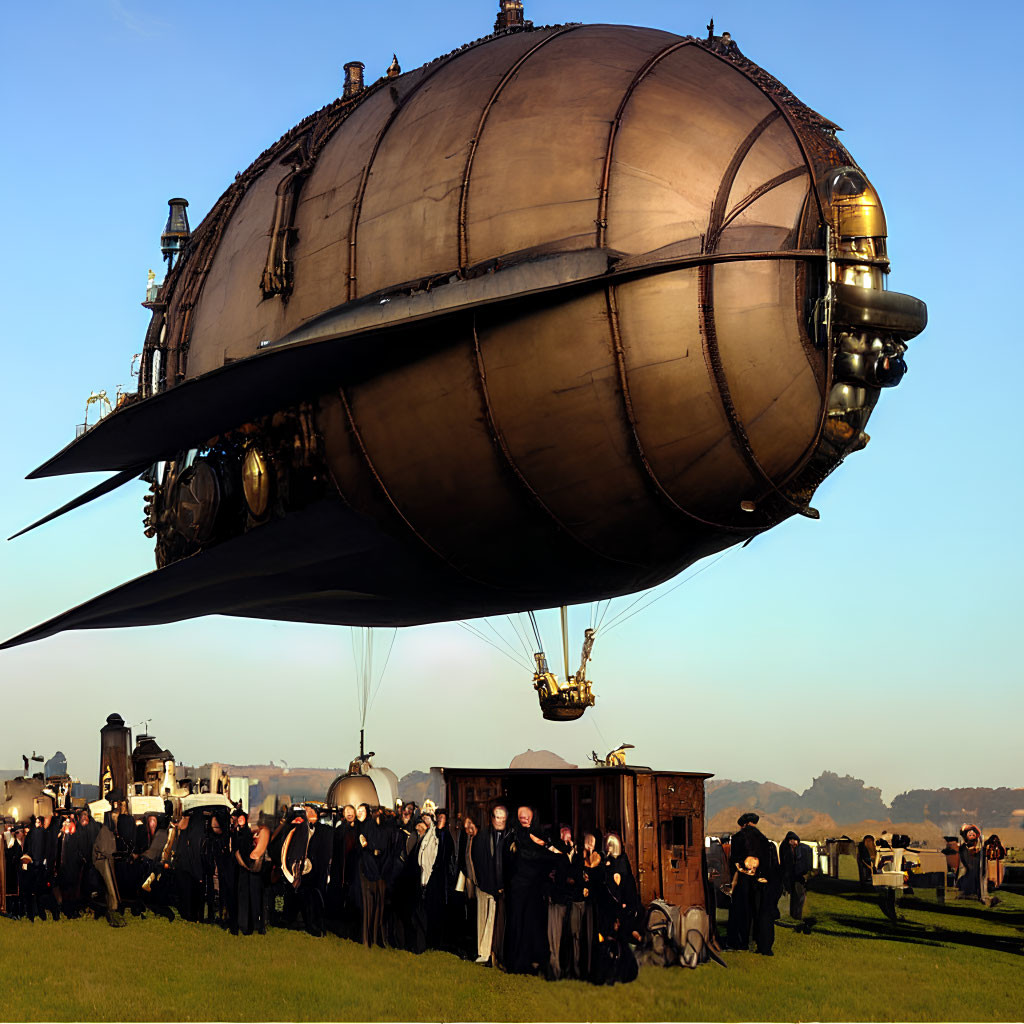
x: 565, y: 639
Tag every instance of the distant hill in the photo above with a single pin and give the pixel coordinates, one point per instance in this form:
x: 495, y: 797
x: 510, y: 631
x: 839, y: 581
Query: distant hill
x: 950, y: 808
x: 764, y: 796
x: 414, y: 786
x: 834, y: 804
x: 297, y: 783
x: 814, y: 825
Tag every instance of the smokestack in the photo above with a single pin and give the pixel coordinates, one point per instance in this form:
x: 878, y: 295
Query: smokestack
x: 176, y: 231
x: 115, y: 755
x: 510, y: 15
x: 353, y: 78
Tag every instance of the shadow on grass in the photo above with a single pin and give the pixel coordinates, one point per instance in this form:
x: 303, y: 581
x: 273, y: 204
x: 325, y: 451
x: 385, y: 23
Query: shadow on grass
x: 859, y: 927
x: 870, y: 934
x: 960, y: 908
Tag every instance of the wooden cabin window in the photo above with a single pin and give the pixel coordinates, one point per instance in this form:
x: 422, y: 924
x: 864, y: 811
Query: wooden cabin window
x: 678, y: 830
x: 611, y: 805
x: 588, y: 814
x: 563, y: 809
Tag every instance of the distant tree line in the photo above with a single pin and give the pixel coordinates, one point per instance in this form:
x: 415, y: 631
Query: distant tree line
x: 846, y: 798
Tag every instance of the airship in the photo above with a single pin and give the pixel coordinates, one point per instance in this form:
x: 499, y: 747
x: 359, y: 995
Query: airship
x: 543, y: 321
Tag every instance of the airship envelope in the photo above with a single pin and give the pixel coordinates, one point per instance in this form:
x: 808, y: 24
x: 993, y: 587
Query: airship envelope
x: 542, y: 321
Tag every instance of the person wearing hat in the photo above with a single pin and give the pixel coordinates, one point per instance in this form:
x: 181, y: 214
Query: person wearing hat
x: 10, y: 855
x: 756, y: 887
x: 969, y: 877
x: 795, y: 861
x: 995, y: 854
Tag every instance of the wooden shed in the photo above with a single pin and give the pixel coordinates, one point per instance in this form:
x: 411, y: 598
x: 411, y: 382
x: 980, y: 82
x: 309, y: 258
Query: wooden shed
x: 659, y: 815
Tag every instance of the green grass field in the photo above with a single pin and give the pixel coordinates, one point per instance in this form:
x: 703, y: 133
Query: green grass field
x: 955, y: 962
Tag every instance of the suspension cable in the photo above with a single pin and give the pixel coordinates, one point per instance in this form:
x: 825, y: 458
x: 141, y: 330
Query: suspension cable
x: 501, y: 640
x: 518, y: 623
x: 622, y: 616
x: 536, y: 631
x: 384, y: 667
x: 481, y: 636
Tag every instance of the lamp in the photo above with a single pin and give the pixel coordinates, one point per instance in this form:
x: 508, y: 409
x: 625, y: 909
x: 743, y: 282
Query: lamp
x: 176, y: 231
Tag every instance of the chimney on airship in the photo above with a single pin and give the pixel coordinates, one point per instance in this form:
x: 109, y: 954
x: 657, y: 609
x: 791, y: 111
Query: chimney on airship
x: 176, y: 231
x: 510, y: 15
x: 353, y: 78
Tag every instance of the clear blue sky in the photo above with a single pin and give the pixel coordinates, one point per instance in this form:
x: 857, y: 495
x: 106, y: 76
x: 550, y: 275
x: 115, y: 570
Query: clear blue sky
x: 881, y: 641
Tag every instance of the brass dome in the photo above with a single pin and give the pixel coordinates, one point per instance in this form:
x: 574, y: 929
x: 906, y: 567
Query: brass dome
x: 352, y: 788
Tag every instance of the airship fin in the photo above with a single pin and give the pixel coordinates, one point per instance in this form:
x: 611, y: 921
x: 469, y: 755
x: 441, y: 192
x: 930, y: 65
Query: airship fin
x: 98, y: 491
x: 322, y: 349
x: 237, y: 577
x: 328, y: 346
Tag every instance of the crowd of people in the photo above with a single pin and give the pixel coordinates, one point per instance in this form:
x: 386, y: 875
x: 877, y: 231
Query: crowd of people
x: 506, y: 894
x: 971, y: 866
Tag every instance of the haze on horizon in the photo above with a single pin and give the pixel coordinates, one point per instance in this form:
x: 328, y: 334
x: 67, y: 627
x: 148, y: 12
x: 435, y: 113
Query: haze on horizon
x: 880, y: 642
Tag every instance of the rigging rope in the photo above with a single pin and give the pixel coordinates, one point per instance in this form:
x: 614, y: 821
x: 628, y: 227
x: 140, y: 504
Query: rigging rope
x: 622, y: 617
x: 523, y: 636
x: 483, y: 636
x: 384, y: 667
x: 368, y: 683
x: 536, y: 631
x: 600, y: 735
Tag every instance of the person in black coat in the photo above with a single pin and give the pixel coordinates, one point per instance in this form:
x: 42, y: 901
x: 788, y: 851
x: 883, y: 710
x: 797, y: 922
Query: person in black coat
x: 441, y: 884
x: 13, y: 873
x: 314, y: 885
x: 123, y: 827
x: 347, y: 854
x: 742, y: 866
x: 526, y: 928
x: 866, y: 861
x: 617, y: 913
x: 969, y: 880
x: 306, y: 863
x: 593, y: 887
x: 188, y: 866
x: 343, y: 886
x: 371, y: 878
x: 392, y: 860
x: 90, y: 883
x: 69, y: 867
x: 490, y: 865
x: 464, y: 899
x: 104, y: 860
x: 149, y: 865
x: 278, y: 884
x: 795, y: 863
x: 40, y: 877
x: 757, y: 885
x: 404, y: 882
x: 565, y: 904
x: 248, y: 876
x: 226, y: 867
